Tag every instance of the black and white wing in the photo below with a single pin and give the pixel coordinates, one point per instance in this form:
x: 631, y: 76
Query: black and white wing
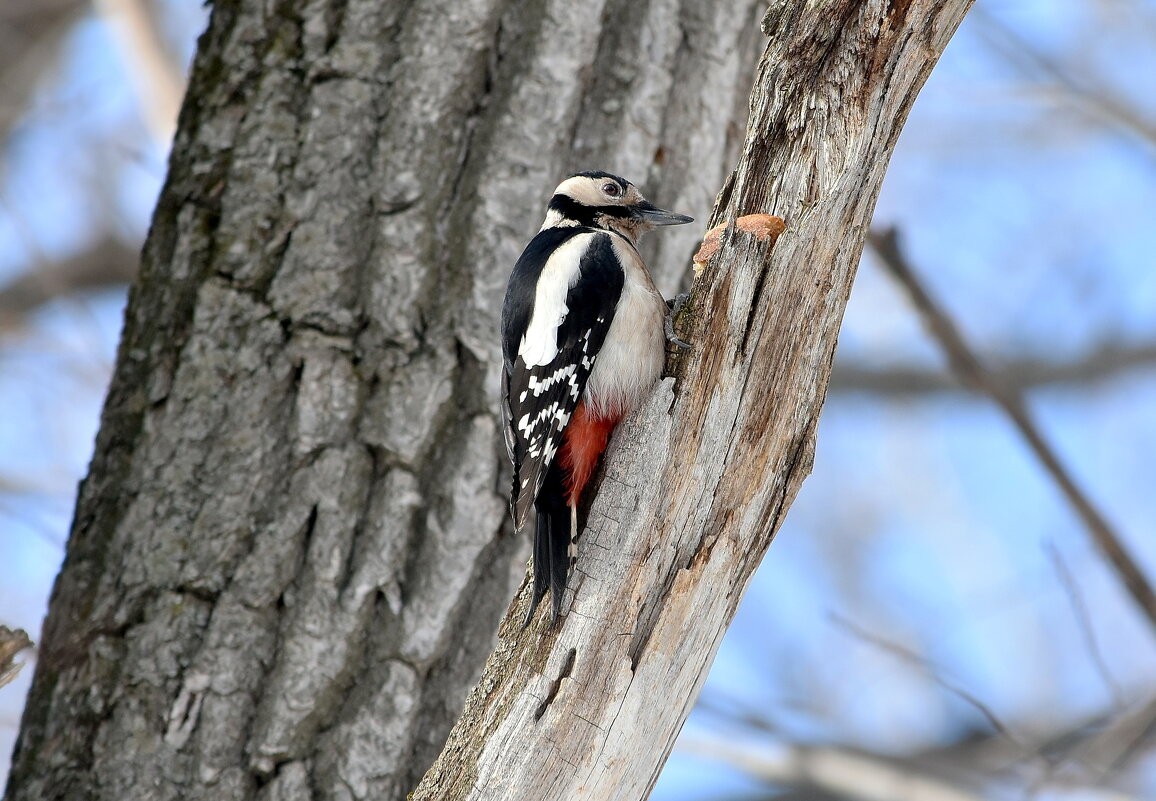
x: 559, y: 305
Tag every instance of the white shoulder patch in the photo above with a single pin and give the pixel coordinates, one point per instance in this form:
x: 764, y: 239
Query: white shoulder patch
x: 539, y: 344
x: 554, y: 219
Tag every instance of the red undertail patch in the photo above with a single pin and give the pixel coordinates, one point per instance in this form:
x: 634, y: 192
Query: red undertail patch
x: 585, y: 440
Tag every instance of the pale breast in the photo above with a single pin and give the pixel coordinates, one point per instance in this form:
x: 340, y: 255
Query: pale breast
x: 631, y: 358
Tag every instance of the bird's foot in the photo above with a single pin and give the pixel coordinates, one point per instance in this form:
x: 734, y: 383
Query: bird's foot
x: 675, y: 306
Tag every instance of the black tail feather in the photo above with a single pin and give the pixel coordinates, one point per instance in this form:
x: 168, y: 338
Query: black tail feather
x: 551, y: 545
x: 541, y: 559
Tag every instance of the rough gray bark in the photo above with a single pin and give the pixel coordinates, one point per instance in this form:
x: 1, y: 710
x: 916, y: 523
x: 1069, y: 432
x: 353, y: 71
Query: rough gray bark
x: 291, y: 552
x: 697, y: 483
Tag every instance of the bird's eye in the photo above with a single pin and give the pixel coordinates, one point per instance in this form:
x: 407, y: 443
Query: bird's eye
x: 612, y: 189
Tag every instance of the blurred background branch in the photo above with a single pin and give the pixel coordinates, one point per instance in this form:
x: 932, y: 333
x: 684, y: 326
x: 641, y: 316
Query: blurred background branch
x: 1105, y: 363
x: 107, y: 263
x: 836, y: 772
x: 972, y: 373
x: 158, y: 76
x: 1083, y: 91
x: 31, y: 35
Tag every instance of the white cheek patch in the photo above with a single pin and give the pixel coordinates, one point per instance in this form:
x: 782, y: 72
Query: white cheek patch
x: 539, y: 345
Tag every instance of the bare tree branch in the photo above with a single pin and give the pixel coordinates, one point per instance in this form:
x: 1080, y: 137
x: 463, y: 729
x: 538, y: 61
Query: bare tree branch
x: 108, y: 262
x: 840, y: 771
x: 1105, y: 363
x: 1116, y: 744
x: 31, y: 32
x: 969, y: 369
x: 913, y: 658
x: 1098, y: 100
x: 1084, y: 622
x: 159, y: 79
x: 850, y: 774
x: 1077, y: 754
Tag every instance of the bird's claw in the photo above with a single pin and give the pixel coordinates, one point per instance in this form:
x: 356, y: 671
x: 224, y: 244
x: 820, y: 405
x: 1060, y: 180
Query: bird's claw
x: 675, y: 306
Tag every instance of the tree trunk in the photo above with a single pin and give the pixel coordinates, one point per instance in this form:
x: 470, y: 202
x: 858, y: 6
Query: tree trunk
x: 697, y: 483
x: 292, y: 549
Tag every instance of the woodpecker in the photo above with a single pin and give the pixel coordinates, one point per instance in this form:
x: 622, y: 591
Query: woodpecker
x: 583, y: 331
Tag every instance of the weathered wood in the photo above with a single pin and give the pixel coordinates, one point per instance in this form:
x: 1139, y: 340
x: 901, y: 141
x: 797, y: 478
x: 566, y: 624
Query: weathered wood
x: 292, y: 549
x: 698, y: 481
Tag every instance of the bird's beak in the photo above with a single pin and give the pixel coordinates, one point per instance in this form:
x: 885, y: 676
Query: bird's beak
x: 656, y: 216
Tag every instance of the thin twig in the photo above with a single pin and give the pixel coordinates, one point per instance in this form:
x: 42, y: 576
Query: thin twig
x: 1099, y: 746
x: 972, y: 373
x: 1084, y: 623
x: 1119, y: 741
x: 911, y: 657
x: 1096, y: 99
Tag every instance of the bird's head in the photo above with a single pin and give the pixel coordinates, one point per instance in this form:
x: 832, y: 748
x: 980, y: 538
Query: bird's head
x: 601, y: 200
